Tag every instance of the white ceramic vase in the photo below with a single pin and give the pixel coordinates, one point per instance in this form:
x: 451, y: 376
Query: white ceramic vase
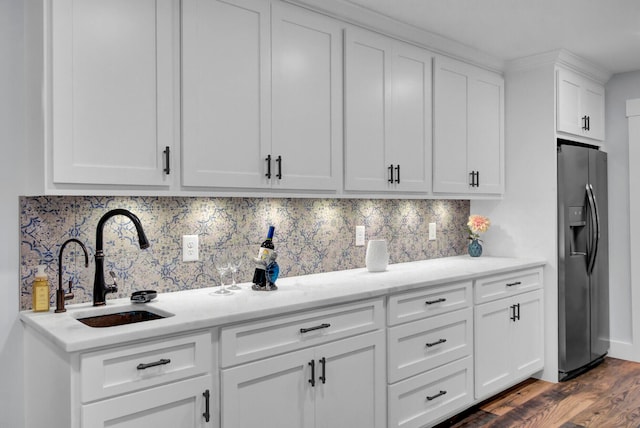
x: 377, y: 257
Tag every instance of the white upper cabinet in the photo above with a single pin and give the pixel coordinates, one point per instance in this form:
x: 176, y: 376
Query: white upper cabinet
x: 225, y: 92
x: 113, y: 91
x: 580, y: 105
x: 262, y: 96
x: 388, y: 114
x: 468, y: 129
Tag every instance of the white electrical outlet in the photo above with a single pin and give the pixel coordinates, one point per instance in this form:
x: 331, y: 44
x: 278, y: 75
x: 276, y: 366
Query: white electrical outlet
x: 359, y: 236
x: 432, y: 231
x: 190, y: 248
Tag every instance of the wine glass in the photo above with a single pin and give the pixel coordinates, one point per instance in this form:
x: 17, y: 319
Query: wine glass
x: 234, y: 265
x: 221, y: 264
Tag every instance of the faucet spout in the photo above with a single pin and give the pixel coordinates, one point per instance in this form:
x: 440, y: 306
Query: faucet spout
x: 100, y: 289
x: 61, y: 296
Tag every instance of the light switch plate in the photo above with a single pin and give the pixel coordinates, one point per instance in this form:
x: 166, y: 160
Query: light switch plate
x: 190, y: 251
x: 432, y: 231
x: 359, y: 236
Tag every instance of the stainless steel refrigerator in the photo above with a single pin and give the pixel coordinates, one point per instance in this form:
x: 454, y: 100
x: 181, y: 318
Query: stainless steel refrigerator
x: 583, y: 258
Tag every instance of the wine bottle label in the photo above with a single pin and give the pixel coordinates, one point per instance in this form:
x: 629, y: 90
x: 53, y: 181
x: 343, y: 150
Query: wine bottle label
x: 264, y: 254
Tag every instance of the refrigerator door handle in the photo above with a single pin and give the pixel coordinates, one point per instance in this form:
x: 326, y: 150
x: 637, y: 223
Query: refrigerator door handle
x: 595, y: 228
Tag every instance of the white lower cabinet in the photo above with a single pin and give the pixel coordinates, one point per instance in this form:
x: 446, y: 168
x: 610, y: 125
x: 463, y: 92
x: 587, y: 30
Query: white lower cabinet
x: 339, y: 384
x: 509, y: 343
x: 421, y: 400
x: 184, y: 404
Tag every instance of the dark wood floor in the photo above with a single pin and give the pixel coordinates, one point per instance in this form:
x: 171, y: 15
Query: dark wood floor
x: 606, y: 396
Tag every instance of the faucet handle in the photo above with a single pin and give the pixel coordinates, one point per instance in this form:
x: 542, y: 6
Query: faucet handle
x: 113, y: 287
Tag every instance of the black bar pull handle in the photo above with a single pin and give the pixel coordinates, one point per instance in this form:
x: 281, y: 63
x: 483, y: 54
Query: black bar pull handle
x: 511, y: 284
x: 167, y: 160
x: 390, y: 168
x: 279, y: 162
x: 472, y: 176
x: 588, y: 123
x: 207, y: 413
x: 160, y: 362
x: 477, y: 178
x: 318, y: 327
x: 513, y: 312
x: 398, y: 174
x: 585, y: 123
x: 439, y: 394
x: 433, y: 302
x: 312, y: 381
x: 268, y: 160
x: 323, y: 361
x: 518, y: 313
x: 429, y: 345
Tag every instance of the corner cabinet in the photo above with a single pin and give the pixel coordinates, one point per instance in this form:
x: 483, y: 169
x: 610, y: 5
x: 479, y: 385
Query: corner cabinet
x: 262, y: 96
x: 580, y: 105
x: 113, y: 102
x: 468, y: 145
x: 331, y: 375
x: 387, y: 114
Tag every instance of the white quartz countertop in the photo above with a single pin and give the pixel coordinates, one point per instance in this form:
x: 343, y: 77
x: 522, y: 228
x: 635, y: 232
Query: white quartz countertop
x: 199, y: 309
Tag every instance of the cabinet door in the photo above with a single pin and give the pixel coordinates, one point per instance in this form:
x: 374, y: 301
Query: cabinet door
x: 274, y: 390
x: 527, y: 337
x: 225, y: 92
x: 307, y: 100
x: 485, y: 153
x: 114, y: 91
x: 180, y: 405
x: 492, y: 346
x: 409, y: 148
x: 577, y: 98
x: 352, y: 393
x: 367, y: 73
x: 451, y: 88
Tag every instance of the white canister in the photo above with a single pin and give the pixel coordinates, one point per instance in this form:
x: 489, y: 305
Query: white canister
x: 377, y: 257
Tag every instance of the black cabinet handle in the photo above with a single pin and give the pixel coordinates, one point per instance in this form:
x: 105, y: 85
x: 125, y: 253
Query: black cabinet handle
x: 518, y: 311
x: 513, y: 313
x: 323, y: 361
x: 160, y: 362
x: 429, y: 345
x: 588, y: 123
x: 439, y: 394
x: 433, y: 302
x: 390, y: 168
x: 477, y: 178
x: 511, y: 284
x: 268, y: 174
x: 398, y: 174
x: 584, y: 123
x: 167, y: 160
x: 207, y: 413
x: 312, y: 381
x: 279, y: 162
x: 318, y: 327
x: 472, y: 176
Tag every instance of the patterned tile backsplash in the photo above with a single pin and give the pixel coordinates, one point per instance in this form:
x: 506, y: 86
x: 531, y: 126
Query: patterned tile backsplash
x: 312, y: 236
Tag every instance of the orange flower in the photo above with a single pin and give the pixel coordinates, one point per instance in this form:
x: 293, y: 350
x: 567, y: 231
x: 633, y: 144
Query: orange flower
x: 477, y: 224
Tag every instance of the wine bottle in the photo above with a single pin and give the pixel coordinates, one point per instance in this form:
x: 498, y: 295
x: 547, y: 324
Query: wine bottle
x: 259, y: 275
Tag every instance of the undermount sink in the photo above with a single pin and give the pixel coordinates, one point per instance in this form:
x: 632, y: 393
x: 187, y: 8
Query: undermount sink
x: 120, y: 316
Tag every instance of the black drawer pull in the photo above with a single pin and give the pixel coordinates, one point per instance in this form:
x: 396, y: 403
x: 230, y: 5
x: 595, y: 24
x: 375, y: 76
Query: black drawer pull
x: 429, y: 345
x: 207, y: 413
x: 312, y: 380
x: 511, y: 284
x: 318, y: 327
x: 167, y: 160
x: 432, y: 302
x: 439, y: 394
x: 323, y: 361
x: 160, y: 362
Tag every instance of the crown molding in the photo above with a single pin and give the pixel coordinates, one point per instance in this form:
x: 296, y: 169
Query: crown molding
x: 561, y: 58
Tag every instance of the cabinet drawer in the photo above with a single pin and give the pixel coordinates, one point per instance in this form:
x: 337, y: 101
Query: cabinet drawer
x: 250, y: 341
x: 426, y: 344
x: 422, y: 400
x: 504, y: 285
x: 429, y: 301
x: 129, y: 368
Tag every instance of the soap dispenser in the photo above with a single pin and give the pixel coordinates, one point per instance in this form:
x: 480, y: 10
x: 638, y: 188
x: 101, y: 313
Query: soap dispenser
x: 40, y: 292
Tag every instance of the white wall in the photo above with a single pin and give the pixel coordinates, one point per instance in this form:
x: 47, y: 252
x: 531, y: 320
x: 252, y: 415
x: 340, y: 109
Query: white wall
x: 523, y: 224
x: 619, y: 89
x: 12, y: 166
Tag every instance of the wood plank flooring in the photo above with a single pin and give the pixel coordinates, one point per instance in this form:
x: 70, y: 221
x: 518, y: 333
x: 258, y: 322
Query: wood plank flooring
x: 608, y: 396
